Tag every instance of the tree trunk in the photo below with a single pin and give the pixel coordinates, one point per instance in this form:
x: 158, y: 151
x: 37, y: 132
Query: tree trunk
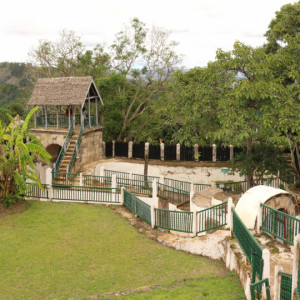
x: 250, y: 182
x: 296, y: 162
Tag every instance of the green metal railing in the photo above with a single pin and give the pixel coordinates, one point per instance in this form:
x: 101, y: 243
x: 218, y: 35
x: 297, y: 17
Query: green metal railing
x: 137, y: 206
x: 91, y: 194
x: 172, y: 194
x: 279, y: 224
x: 109, y: 173
x: 272, y: 181
x: 198, y: 187
x: 96, y: 181
x: 142, y: 178
x: 65, y: 179
x: 174, y: 220
x: 256, y: 289
x: 34, y: 191
x: 93, y: 121
x: 52, y: 121
x: 249, y: 245
x: 240, y: 186
x: 136, y: 186
x: 212, y: 218
x: 62, y: 152
x: 285, y: 286
x: 180, y: 185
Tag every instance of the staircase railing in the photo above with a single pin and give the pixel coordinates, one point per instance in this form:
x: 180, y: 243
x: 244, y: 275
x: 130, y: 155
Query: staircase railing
x: 75, y: 151
x: 62, y: 152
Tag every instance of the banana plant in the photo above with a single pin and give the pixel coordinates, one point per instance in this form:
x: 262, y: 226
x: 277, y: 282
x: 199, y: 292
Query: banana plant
x: 19, y: 149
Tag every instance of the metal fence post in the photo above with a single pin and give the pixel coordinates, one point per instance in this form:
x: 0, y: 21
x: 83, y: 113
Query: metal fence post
x: 214, y: 152
x: 178, y: 152
x: 295, y: 263
x: 152, y: 216
x: 196, y: 150
x: 277, y: 280
x: 192, y: 208
x: 146, y: 154
x: 130, y: 147
x: 229, y: 216
x: 259, y: 219
x: 122, y: 195
x: 154, y: 188
x: 154, y: 193
x: 266, y: 270
x: 49, y: 183
x: 162, y: 151
x: 80, y: 179
x: 231, y: 152
x: 194, y: 224
x: 113, y: 148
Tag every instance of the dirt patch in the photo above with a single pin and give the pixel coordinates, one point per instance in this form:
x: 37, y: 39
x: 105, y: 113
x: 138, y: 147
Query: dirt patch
x: 16, y: 208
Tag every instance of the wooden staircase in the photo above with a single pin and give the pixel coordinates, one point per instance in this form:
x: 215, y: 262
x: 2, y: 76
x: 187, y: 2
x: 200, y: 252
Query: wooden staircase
x: 60, y: 178
x: 67, y: 157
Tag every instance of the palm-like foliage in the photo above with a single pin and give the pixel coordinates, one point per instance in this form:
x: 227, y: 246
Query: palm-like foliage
x: 18, y: 150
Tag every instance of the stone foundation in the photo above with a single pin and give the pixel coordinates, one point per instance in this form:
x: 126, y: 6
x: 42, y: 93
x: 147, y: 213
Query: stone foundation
x: 91, y: 148
x: 50, y: 136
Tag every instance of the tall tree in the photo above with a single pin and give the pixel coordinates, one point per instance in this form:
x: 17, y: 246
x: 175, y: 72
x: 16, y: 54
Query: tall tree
x: 68, y: 57
x: 147, y: 59
x: 285, y: 25
x: 244, y: 110
x: 283, y: 39
x: 191, y: 106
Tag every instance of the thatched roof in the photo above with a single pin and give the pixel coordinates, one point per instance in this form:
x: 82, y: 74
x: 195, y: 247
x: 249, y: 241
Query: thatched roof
x: 63, y: 91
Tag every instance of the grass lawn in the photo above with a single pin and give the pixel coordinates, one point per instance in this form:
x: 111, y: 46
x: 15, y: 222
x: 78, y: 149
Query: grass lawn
x: 58, y: 250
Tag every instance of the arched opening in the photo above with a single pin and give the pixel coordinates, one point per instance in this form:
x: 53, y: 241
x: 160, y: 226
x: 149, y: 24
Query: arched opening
x: 53, y: 150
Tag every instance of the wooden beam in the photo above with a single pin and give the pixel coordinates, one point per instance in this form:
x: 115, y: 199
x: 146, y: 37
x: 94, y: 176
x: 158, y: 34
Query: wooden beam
x: 89, y: 112
x: 96, y: 112
x: 91, y: 97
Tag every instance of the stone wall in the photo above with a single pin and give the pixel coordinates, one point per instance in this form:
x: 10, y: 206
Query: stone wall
x: 48, y: 136
x: 91, y: 148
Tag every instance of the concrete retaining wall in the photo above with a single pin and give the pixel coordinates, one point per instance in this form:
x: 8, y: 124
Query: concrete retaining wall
x: 204, y: 175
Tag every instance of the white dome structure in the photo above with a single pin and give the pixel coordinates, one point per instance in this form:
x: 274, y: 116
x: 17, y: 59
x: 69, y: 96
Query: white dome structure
x: 248, y: 205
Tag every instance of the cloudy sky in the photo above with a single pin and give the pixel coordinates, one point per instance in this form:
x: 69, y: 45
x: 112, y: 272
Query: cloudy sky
x: 200, y: 26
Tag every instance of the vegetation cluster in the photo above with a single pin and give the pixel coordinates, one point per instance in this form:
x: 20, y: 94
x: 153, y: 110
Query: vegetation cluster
x: 247, y: 97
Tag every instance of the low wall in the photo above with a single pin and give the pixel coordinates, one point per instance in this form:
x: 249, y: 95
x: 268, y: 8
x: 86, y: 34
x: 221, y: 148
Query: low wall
x: 204, y: 175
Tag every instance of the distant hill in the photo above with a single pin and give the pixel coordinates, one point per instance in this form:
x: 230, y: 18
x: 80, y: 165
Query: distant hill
x: 15, y: 87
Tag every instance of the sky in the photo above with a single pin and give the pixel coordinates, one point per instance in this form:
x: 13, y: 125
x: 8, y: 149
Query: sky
x: 199, y: 26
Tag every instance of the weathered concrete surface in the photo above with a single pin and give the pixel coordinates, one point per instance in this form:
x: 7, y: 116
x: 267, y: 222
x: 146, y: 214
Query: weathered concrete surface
x: 204, y: 198
x: 209, y: 245
x: 205, y: 175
